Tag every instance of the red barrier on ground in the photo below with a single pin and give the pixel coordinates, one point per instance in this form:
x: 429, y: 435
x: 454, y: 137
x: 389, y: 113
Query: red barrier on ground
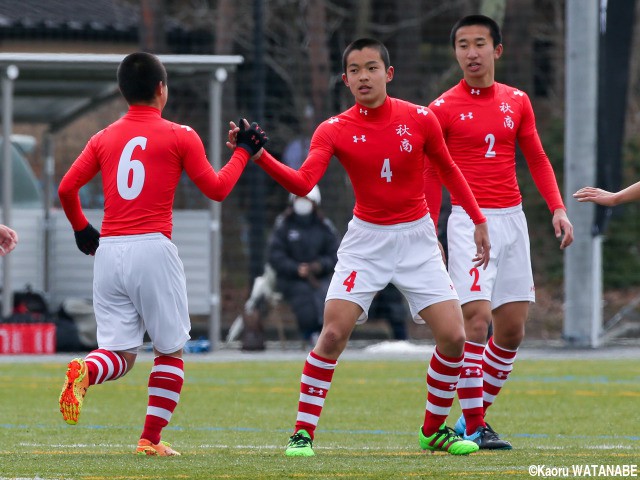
x: 28, y: 338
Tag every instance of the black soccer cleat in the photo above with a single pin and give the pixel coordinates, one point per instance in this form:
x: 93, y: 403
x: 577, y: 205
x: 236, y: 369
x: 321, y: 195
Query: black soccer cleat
x: 487, y: 439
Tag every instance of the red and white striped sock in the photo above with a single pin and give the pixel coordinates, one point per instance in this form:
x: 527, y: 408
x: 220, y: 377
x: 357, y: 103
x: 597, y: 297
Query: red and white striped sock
x: 470, y: 387
x: 314, y: 385
x: 442, y: 380
x: 104, y: 365
x: 497, y: 363
x: 165, y: 384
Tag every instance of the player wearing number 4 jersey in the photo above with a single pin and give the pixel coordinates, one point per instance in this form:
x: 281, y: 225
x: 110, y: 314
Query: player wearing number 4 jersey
x: 381, y: 142
x: 139, y: 281
x: 482, y: 121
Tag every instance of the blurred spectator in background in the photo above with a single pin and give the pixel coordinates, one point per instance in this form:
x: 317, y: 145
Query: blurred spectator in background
x: 303, y: 251
x: 8, y: 240
x: 297, y: 149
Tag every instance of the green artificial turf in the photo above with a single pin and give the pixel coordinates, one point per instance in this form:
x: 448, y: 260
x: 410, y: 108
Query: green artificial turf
x: 234, y: 419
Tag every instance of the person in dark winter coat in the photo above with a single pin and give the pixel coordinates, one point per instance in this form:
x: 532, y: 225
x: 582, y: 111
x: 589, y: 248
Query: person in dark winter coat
x: 303, y: 251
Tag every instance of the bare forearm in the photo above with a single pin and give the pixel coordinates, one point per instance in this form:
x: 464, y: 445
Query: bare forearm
x: 629, y: 194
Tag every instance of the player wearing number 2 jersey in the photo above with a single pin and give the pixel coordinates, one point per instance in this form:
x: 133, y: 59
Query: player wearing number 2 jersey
x: 139, y: 283
x: 482, y: 121
x: 381, y: 142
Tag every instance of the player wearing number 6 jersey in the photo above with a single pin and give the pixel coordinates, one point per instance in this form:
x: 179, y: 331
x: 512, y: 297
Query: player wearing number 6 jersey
x: 381, y: 142
x: 482, y: 121
x: 139, y: 283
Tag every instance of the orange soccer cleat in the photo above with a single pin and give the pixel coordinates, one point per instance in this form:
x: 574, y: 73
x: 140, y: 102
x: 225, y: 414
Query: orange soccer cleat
x: 162, y: 449
x: 75, y: 387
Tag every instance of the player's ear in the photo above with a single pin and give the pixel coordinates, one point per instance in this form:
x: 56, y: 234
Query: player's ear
x: 344, y: 79
x: 390, y: 72
x: 159, y: 89
x: 497, y: 52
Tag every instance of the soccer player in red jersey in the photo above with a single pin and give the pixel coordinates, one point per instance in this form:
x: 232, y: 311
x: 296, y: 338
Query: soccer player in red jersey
x: 139, y: 283
x: 482, y: 120
x: 382, y: 142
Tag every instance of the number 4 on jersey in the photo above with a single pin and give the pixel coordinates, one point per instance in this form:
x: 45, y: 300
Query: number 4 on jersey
x: 350, y: 281
x: 386, y: 170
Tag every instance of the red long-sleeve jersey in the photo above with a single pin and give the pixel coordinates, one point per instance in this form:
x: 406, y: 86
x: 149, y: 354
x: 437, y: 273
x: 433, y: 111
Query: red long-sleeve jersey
x: 383, y: 151
x: 141, y: 157
x: 481, y: 127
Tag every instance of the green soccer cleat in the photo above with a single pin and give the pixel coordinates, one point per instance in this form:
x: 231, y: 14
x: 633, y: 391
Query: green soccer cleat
x: 300, y: 445
x: 446, y: 440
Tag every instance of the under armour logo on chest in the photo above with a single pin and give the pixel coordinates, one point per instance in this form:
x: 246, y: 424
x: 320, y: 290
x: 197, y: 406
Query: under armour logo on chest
x: 357, y: 139
x: 364, y: 111
x: 464, y: 117
x: 475, y: 91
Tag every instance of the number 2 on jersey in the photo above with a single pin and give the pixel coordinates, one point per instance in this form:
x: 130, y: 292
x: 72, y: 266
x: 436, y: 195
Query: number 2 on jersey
x: 491, y: 140
x: 129, y: 167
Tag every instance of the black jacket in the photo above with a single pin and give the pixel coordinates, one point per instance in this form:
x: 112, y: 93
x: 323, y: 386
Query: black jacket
x: 296, y: 240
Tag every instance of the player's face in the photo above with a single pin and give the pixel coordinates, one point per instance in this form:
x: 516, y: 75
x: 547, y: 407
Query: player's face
x: 367, y: 77
x: 476, y: 55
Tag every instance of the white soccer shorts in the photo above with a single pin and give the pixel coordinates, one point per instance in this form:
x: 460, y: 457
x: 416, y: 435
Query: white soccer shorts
x: 406, y: 254
x: 508, y: 277
x: 139, y: 285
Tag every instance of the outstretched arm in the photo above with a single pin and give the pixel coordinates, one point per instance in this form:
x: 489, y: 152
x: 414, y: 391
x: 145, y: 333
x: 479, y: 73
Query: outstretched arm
x: 299, y: 182
x: 608, y: 199
x: 218, y: 185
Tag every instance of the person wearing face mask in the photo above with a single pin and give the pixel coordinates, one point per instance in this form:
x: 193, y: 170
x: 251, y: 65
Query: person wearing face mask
x: 303, y: 252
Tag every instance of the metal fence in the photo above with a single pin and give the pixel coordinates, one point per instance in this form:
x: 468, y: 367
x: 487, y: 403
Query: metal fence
x: 290, y: 81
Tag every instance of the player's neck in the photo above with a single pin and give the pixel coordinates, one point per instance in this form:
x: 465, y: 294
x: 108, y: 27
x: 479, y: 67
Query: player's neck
x: 373, y: 103
x: 155, y: 104
x: 480, y: 82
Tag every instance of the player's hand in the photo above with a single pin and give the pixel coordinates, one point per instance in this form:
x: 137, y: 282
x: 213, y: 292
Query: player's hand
x: 87, y: 239
x: 8, y: 240
x: 596, y: 195
x: 251, y: 139
x: 233, y: 136
x: 483, y: 246
x: 303, y: 270
x: 562, y: 225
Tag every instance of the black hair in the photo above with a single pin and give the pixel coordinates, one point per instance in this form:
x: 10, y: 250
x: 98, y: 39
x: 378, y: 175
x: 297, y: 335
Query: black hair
x: 469, y: 20
x: 362, y: 43
x: 138, y: 76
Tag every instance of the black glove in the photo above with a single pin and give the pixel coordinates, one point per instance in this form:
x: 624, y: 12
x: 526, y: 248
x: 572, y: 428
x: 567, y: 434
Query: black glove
x: 87, y: 240
x: 251, y: 140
